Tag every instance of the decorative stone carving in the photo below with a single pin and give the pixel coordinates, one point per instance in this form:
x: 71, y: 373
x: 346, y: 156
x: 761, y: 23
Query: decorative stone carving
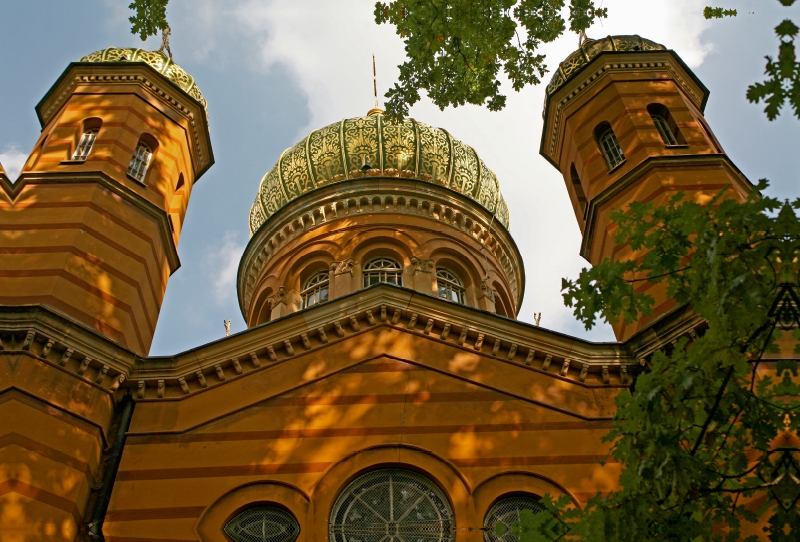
x: 486, y: 290
x: 281, y: 296
x: 422, y: 265
x: 237, y: 366
x: 255, y: 360
x: 345, y: 266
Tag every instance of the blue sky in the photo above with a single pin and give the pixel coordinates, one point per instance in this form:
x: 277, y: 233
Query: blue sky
x: 272, y: 70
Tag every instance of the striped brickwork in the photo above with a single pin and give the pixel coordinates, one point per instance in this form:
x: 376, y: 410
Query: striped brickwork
x: 617, y: 88
x: 83, y: 237
x: 52, y: 434
x: 295, y: 432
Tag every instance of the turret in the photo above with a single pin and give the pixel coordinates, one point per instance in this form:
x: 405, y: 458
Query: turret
x: 98, y: 208
x: 623, y: 122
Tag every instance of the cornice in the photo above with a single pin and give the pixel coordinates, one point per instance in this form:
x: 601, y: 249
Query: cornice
x: 65, y: 344
x: 418, y: 198
x: 55, y: 339
x: 636, y: 173
x: 506, y: 341
x: 128, y: 195
x: 593, y: 73
x: 148, y: 79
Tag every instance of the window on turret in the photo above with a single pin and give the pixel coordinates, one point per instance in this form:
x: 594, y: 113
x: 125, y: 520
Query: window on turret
x: 140, y: 161
x: 450, y: 285
x: 609, y: 145
x: 382, y: 270
x: 315, y: 289
x: 142, y: 157
x: 666, y: 126
x: 91, y: 127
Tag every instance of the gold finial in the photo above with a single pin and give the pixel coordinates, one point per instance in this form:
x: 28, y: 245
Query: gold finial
x: 375, y: 110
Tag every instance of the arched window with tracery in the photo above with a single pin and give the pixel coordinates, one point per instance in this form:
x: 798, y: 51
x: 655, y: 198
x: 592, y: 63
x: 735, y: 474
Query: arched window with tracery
x: 504, y: 514
x: 609, y: 145
x: 666, y: 126
x: 91, y: 127
x: 263, y: 524
x: 142, y: 157
x: 450, y: 285
x: 316, y: 289
x: 392, y: 505
x: 382, y: 270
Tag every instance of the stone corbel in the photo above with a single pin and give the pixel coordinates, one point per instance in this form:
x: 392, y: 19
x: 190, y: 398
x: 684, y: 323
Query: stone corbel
x: 422, y: 265
x: 343, y: 267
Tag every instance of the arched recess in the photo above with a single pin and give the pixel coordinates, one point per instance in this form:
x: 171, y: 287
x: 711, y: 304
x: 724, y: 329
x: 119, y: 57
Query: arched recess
x: 214, y: 518
x: 382, y: 246
x: 261, y: 309
x: 440, y: 471
x: 506, y: 484
x: 464, y: 267
x: 305, y: 265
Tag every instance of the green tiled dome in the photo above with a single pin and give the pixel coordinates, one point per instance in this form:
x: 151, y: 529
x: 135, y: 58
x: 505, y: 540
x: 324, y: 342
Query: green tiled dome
x: 411, y: 149
x: 158, y: 61
x: 590, y: 49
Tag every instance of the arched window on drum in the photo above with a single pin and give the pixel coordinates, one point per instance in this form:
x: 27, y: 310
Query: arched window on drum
x: 316, y: 289
x: 382, y: 270
x: 450, y: 285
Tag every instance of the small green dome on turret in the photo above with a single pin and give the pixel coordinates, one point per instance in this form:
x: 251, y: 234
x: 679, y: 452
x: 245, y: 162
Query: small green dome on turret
x: 156, y: 60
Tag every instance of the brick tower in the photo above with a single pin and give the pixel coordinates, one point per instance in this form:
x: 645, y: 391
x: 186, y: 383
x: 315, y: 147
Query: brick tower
x: 88, y: 237
x: 623, y: 122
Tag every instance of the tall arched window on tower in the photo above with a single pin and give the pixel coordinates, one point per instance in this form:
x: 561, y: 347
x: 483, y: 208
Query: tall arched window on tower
x: 315, y: 289
x: 382, y: 270
x: 91, y: 127
x: 450, y: 285
x: 609, y: 145
x: 142, y: 157
x: 666, y: 126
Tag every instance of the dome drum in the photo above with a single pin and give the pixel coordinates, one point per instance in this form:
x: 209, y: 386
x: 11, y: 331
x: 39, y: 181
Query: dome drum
x: 342, y: 226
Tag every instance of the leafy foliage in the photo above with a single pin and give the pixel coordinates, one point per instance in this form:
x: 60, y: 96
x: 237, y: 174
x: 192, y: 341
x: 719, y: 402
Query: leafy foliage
x: 708, y: 436
x: 456, y: 48
x: 783, y: 83
x: 150, y: 17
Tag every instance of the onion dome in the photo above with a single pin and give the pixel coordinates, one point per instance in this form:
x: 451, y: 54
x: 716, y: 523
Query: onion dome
x: 371, y: 147
x: 156, y: 60
x: 590, y: 49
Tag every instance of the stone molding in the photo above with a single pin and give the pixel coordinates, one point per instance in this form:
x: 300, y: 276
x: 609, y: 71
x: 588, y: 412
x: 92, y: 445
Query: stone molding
x: 281, y: 297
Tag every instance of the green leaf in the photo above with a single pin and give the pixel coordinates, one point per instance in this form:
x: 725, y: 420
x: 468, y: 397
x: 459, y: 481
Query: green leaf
x: 150, y: 17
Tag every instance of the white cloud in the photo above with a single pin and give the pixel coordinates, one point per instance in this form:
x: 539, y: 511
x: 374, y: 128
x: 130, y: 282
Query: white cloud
x: 222, y: 264
x: 13, y: 159
x: 328, y: 47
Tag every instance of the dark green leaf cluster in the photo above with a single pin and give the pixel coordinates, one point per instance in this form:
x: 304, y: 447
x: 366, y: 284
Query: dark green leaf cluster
x: 456, y: 48
x: 150, y: 17
x: 708, y: 436
x: 718, y: 13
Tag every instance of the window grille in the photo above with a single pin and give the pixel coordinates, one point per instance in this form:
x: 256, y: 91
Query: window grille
x: 85, y: 145
x: 263, y: 524
x: 609, y: 145
x: 391, y: 505
x: 140, y: 161
x: 450, y: 285
x: 315, y: 289
x: 382, y: 270
x: 507, y: 512
x: 664, y: 130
